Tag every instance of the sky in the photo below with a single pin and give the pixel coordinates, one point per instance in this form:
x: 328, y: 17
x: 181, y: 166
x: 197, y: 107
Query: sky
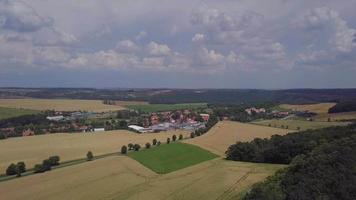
x: 178, y: 43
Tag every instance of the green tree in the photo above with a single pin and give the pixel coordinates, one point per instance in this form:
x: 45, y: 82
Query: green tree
x: 11, y: 169
x: 137, y: 147
x: 192, y: 135
x: 47, y: 165
x: 124, y: 149
x: 148, y: 145
x: 18, y: 171
x: 54, y: 160
x: 154, y: 141
x: 180, y: 137
x: 21, y: 166
x: 90, y: 156
x: 168, y: 140
x: 131, y: 146
x: 38, y: 168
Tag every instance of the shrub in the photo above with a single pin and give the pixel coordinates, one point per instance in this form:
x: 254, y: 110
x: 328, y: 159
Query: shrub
x: 154, y: 141
x: 18, y: 171
x: 2, y: 136
x: 158, y: 143
x: 90, y: 156
x: 21, y: 166
x: 11, y: 169
x: 54, y: 160
x: 148, y: 145
x: 137, y: 147
x: 168, y: 140
x: 124, y: 150
x: 180, y: 137
x: 47, y: 165
x: 38, y: 168
x: 192, y: 135
x: 174, y: 138
x: 131, y: 146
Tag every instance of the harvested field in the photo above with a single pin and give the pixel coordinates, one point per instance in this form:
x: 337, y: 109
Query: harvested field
x: 226, y: 133
x: 166, y: 107
x: 302, y: 124
x: 344, y: 116
x: 69, y: 146
x: 59, y: 105
x: 316, y: 108
x: 120, y: 177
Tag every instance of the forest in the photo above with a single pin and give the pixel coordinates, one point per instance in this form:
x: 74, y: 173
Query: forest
x: 321, y: 164
x: 347, y: 106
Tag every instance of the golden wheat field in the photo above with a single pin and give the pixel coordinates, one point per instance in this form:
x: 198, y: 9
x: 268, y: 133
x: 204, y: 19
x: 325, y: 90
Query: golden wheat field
x: 69, y: 146
x: 62, y: 105
x: 225, y: 133
x: 316, y: 108
x: 119, y: 177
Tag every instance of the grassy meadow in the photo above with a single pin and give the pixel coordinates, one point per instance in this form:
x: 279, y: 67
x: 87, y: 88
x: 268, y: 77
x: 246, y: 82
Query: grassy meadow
x: 171, y: 157
x: 6, y: 113
x: 166, y: 107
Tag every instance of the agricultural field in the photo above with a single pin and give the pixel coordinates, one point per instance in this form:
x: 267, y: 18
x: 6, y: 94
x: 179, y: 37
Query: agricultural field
x: 6, y: 113
x: 166, y: 107
x: 226, y: 133
x: 171, y: 157
x: 119, y: 177
x: 299, y: 124
x: 69, y: 146
x: 316, y: 108
x: 343, y: 116
x: 59, y: 105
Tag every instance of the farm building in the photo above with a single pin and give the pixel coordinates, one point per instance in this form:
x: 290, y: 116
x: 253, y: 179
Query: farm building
x: 55, y: 118
x: 140, y: 129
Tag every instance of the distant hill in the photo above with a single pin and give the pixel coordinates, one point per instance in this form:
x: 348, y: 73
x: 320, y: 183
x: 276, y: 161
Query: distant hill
x: 172, y: 96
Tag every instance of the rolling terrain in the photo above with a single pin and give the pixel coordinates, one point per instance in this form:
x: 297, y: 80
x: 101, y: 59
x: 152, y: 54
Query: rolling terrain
x: 120, y: 177
x: 225, y: 133
x: 69, y: 146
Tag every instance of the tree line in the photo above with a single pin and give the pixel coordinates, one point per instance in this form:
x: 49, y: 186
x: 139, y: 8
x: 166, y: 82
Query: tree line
x: 322, y: 164
x: 282, y: 149
x: 327, y: 172
x: 346, y: 106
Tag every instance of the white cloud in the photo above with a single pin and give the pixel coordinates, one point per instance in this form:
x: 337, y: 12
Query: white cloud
x: 198, y: 37
x: 127, y: 46
x: 328, y: 21
x: 19, y: 16
x: 156, y: 49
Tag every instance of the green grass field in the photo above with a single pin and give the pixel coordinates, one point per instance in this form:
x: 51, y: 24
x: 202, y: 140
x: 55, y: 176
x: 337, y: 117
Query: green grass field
x: 302, y: 124
x: 166, y: 107
x: 6, y: 113
x: 171, y: 157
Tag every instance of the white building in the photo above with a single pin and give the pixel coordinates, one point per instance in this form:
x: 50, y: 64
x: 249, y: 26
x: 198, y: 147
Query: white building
x: 55, y: 118
x: 99, y: 129
x: 139, y: 129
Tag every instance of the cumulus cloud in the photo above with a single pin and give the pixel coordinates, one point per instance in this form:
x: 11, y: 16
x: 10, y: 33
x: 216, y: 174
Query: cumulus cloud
x: 127, y: 46
x: 19, y: 16
x: 198, y: 37
x: 328, y: 21
x: 156, y: 49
